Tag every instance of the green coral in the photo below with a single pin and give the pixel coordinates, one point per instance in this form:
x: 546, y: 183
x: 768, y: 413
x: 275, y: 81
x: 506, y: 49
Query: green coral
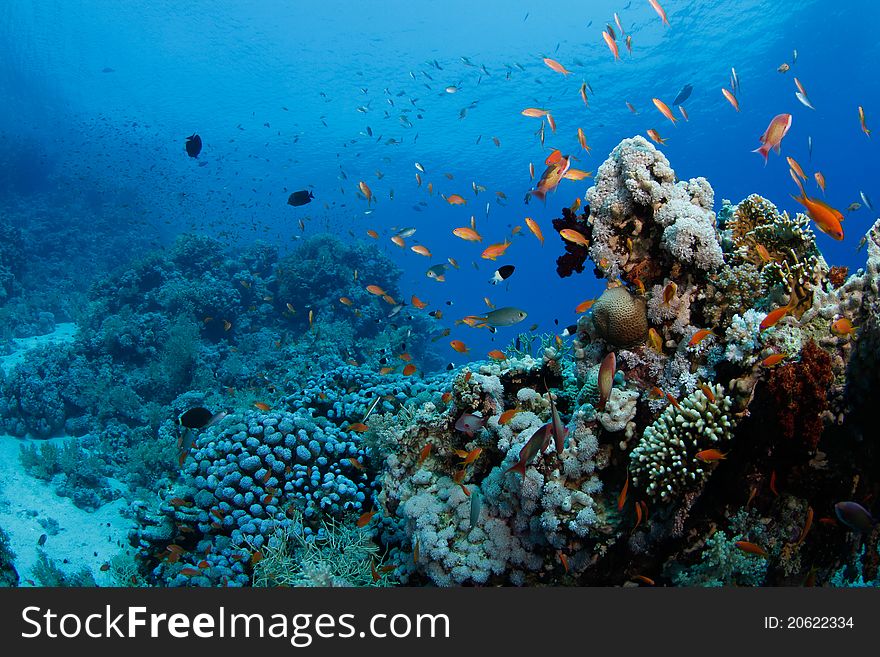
x: 723, y: 564
x: 664, y: 462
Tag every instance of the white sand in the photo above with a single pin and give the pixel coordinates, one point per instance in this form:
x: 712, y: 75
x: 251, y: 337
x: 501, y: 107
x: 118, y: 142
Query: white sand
x: 84, y: 539
x: 62, y: 333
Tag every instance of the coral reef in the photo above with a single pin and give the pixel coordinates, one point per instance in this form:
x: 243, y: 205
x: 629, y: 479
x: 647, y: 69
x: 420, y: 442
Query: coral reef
x: 620, y: 318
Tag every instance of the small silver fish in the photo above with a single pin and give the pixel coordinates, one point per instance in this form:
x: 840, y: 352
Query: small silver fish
x: 505, y: 317
x: 810, y: 147
x: 804, y: 100
x: 866, y: 200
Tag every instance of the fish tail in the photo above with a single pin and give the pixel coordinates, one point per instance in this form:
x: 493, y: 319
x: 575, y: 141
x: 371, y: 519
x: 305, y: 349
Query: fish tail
x: 764, y: 150
x: 539, y: 193
x: 518, y: 467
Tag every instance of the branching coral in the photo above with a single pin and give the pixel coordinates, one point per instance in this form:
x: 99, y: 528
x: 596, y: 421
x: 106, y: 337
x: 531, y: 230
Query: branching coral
x: 664, y: 463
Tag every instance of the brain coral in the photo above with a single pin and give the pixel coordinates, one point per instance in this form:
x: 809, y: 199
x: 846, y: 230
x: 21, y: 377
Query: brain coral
x: 620, y: 318
x: 664, y: 463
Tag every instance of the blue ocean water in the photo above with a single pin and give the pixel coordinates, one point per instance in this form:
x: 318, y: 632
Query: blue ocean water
x: 225, y: 72
x: 419, y: 101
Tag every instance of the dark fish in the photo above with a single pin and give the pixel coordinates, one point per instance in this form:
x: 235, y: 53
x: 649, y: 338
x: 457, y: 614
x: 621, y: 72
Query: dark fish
x: 450, y: 366
x: 570, y: 330
x: 502, y: 274
x: 42, y: 540
x: 854, y: 516
x: 107, y: 69
x: 301, y: 197
x: 193, y: 145
x: 683, y: 95
x: 199, y: 418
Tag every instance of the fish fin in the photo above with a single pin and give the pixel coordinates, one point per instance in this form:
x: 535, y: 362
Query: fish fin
x: 539, y: 194
x: 764, y: 151
x: 518, y: 467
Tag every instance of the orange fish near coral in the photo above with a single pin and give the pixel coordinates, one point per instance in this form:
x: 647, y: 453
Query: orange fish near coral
x: 653, y: 134
x: 584, y: 306
x: 654, y: 340
x: 582, y: 140
x: 699, y: 336
x: 842, y: 327
x: 710, y: 456
x: 497, y: 354
x: 773, y: 135
x: 409, y: 370
x: 606, y: 379
x: 773, y: 317
x: 423, y: 454
x: 773, y: 359
x: 793, y: 163
x: 534, y: 112
x: 455, y: 199
x: 418, y: 303
x: 262, y: 406
x: 421, y: 250
x: 507, y: 416
x: 375, y: 289
x: 364, y: 520
x: 827, y: 219
x: 358, y: 427
x: 459, y: 346
x: 751, y: 548
x: 621, y: 499
x: 551, y: 178
x: 573, y: 236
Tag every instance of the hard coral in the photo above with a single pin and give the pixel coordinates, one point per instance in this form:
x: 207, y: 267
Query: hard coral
x: 799, y: 391
x: 620, y: 318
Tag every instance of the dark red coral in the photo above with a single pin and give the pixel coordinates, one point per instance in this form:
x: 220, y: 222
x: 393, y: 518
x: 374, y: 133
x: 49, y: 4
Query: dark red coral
x: 837, y: 275
x: 575, y: 255
x: 799, y: 391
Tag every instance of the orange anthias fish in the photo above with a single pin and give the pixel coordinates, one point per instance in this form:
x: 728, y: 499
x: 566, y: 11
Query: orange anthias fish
x: 621, y: 499
x: 556, y: 66
x: 554, y: 157
x: 456, y: 199
x: 730, y: 98
x: 660, y: 12
x: 409, y: 370
x: 773, y: 135
x: 472, y: 455
x: 793, y: 163
x: 699, y: 336
x: 612, y: 44
x: 468, y: 234
x: 606, y: 379
x: 421, y: 250
x: 773, y: 317
x: 583, y: 92
x: 584, y: 306
x: 497, y: 354
x: 494, y: 251
x: 551, y: 178
x: 262, y: 406
x: 827, y: 219
x: 551, y: 122
x: 423, y: 454
x: 820, y: 180
x: 375, y: 289
x: 364, y: 520
x: 366, y: 191
x: 582, y: 140
x: 398, y: 240
x: 862, y: 121
x: 536, y: 230
x: 573, y: 236
x: 653, y: 134
x: 664, y: 109
x: 459, y: 346
x: 842, y: 327
x: 751, y: 548
x: 773, y: 359
x: 358, y: 427
x: 507, y: 416
x: 534, y: 112
x: 710, y: 456
x: 577, y: 174
x: 418, y: 303
x: 654, y: 340
x: 345, y: 301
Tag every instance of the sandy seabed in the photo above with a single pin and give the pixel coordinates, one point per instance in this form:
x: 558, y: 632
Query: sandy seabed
x: 84, y: 539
